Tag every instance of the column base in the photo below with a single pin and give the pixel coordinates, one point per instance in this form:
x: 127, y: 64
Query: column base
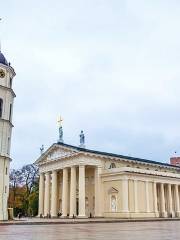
x: 178, y: 214
x: 82, y: 216
x: 98, y: 216
x: 64, y: 216
x: 164, y: 214
x: 171, y: 214
x: 73, y: 216
x: 157, y: 214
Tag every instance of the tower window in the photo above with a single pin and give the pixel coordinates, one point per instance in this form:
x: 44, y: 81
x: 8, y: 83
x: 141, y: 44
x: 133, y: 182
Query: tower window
x: 1, y: 107
x: 8, y: 146
x: 6, y: 170
x: 10, y: 82
x: 10, y: 112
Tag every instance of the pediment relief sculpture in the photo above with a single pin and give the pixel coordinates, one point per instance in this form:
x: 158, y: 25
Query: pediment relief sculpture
x: 59, y: 153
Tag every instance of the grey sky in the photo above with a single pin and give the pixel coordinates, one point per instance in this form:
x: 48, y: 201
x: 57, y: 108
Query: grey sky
x: 110, y: 68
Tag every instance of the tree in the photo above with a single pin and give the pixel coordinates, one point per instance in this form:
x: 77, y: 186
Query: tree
x: 24, y: 188
x: 14, y: 181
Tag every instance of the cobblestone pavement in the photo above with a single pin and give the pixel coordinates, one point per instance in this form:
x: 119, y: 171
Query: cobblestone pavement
x: 169, y: 230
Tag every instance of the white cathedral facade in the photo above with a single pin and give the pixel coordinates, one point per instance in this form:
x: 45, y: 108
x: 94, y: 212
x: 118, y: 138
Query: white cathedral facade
x: 7, y: 95
x: 79, y: 182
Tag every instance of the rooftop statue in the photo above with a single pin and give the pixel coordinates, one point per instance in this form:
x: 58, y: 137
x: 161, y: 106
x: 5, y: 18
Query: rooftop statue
x: 60, y: 120
x: 82, y: 139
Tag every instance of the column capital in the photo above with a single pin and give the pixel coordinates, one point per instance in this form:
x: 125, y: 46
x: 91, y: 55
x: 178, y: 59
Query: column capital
x: 81, y: 165
x: 99, y: 166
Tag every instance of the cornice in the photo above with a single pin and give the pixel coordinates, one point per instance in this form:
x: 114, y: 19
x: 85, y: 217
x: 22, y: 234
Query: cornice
x: 7, y: 121
x: 129, y: 170
x: 8, y: 89
x: 5, y: 157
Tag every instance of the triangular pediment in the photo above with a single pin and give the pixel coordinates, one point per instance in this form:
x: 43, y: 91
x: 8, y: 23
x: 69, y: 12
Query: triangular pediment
x: 112, y: 190
x: 56, y: 152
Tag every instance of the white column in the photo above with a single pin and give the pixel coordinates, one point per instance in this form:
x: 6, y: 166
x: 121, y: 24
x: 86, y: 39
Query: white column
x: 170, y: 208
x: 73, y: 192
x: 98, y: 188
x: 125, y: 196
x: 65, y: 193
x: 47, y: 195
x: 163, y: 210
x: 155, y: 198
x: 177, y: 201
x: 54, y: 194
x: 135, y: 197
x: 41, y: 194
x: 147, y: 196
x: 82, y: 191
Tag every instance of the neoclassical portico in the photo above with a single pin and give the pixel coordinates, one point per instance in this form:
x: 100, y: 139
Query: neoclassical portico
x: 72, y: 181
x: 79, y: 182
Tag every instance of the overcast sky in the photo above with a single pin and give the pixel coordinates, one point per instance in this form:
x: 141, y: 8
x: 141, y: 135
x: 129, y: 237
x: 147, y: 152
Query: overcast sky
x: 109, y: 67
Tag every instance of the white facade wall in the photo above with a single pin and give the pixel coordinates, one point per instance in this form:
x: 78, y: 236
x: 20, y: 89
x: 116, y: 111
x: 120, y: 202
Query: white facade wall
x: 7, y: 95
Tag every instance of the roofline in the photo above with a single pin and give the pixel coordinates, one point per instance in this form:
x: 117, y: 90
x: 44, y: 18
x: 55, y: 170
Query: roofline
x: 142, y: 160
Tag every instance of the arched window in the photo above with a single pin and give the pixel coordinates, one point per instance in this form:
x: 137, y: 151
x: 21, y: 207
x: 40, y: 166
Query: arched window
x: 8, y: 146
x: 10, y: 112
x: 112, y: 165
x: 1, y: 107
x: 10, y: 82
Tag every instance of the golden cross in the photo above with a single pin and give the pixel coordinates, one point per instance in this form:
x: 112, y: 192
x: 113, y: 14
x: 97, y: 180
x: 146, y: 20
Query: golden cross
x: 60, y: 120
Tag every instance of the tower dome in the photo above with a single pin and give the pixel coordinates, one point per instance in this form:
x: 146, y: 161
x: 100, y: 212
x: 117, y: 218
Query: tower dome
x: 3, y: 59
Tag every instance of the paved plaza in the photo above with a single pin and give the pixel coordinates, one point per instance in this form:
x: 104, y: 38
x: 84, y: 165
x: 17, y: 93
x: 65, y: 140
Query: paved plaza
x: 166, y: 230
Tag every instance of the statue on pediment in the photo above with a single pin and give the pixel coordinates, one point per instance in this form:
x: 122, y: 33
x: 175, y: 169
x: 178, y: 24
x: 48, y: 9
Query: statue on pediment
x: 82, y: 139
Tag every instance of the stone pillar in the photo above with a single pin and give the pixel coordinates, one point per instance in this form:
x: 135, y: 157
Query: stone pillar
x: 147, y: 196
x: 65, y: 193
x: 41, y: 194
x: 135, y: 197
x: 54, y: 194
x: 163, y: 211
x: 155, y: 199
x: 73, y: 192
x: 47, y: 195
x: 177, y: 201
x: 170, y: 207
x: 82, y: 191
x: 125, y: 196
x: 97, y: 190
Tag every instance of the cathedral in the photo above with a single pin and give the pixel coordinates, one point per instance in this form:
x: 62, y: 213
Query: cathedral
x: 7, y: 95
x: 80, y: 182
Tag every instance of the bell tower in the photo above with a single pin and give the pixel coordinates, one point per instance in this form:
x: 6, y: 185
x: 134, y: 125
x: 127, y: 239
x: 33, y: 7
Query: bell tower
x: 7, y: 95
